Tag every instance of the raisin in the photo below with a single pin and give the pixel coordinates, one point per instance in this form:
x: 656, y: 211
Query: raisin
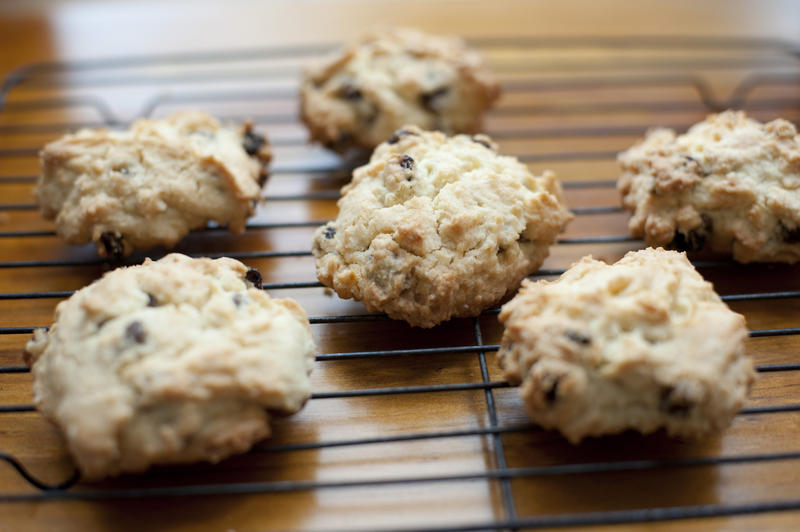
x: 550, y: 385
x: 344, y: 140
x: 350, y: 92
x: 395, y: 138
x: 407, y: 162
x: 671, y: 404
x: 330, y: 232
x: 237, y: 300
x: 482, y: 142
x: 790, y: 236
x: 262, y: 177
x: 112, y: 243
x: 690, y: 159
x: 151, y: 300
x: 430, y: 100
x: 253, y: 276
x: 135, y: 332
x: 578, y: 338
x: 370, y: 115
x: 708, y: 223
x: 694, y: 241
x: 252, y: 142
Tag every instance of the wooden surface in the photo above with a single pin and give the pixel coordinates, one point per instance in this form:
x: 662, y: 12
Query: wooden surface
x: 591, y: 99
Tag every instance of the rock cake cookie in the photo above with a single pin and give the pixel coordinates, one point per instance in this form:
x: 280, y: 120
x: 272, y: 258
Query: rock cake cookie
x: 359, y: 96
x: 177, y: 360
x: 730, y: 183
x: 640, y: 344
x: 151, y: 184
x: 435, y: 227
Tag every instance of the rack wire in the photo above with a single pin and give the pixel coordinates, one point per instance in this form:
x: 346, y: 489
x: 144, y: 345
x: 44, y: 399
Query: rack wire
x: 554, y: 112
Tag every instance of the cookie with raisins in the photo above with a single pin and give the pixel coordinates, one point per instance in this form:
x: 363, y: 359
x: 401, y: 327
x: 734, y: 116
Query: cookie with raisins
x: 360, y: 95
x: 435, y: 227
x: 640, y: 344
x: 730, y: 184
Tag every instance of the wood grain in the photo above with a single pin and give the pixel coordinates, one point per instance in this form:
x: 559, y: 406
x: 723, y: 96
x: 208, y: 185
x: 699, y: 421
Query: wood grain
x: 563, y: 112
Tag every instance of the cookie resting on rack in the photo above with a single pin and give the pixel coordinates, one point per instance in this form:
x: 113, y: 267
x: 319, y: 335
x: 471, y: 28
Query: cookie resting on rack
x: 435, y: 227
x: 177, y: 360
x: 640, y: 344
x: 730, y: 183
x: 152, y: 184
x: 390, y: 78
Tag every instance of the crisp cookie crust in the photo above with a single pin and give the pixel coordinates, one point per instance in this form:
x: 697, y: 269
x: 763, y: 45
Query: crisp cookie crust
x: 359, y: 96
x: 152, y: 184
x: 640, y: 344
x: 435, y: 227
x: 177, y: 360
x: 730, y: 183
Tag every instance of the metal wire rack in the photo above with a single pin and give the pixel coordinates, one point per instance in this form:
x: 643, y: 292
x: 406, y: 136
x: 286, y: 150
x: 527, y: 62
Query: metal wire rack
x: 566, y: 106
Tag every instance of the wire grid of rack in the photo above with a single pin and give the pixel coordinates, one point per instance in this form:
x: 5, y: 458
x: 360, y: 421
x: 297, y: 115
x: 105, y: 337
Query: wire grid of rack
x: 410, y: 429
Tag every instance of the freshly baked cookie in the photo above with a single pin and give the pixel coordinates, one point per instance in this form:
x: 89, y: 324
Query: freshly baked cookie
x: 172, y: 361
x: 359, y: 96
x: 437, y: 226
x: 640, y: 344
x: 729, y: 183
x: 152, y: 184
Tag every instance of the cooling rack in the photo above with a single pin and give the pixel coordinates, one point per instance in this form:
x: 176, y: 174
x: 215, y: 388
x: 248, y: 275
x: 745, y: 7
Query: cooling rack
x: 410, y: 429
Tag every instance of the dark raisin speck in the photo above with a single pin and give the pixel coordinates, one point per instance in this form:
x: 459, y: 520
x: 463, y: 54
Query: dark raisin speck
x: 430, y: 100
x: 688, y: 159
x: 262, y: 177
x: 482, y: 142
x: 135, y: 332
x: 124, y: 170
x: 237, y: 300
x: 694, y: 241
x: 344, y: 140
x: 330, y: 232
x: 550, y: 385
x: 578, y: 338
x: 252, y: 142
x: 407, y: 162
x: 673, y: 405
x: 112, y: 243
x: 397, y: 135
x: 790, y: 236
x: 151, y: 300
x: 350, y: 92
x: 253, y: 276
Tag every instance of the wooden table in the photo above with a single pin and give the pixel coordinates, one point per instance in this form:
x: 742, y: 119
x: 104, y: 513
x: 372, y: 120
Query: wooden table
x: 583, y: 81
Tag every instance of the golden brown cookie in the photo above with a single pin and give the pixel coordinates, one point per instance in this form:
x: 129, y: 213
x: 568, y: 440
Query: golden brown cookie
x: 152, y: 184
x: 390, y: 78
x: 730, y: 184
x: 177, y: 360
x: 436, y: 226
x: 640, y: 344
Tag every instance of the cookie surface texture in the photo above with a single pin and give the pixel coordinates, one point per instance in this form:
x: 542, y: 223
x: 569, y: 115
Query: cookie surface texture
x: 178, y: 360
x: 641, y: 344
x: 152, y: 184
x: 435, y: 227
x: 730, y: 183
x: 359, y: 96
